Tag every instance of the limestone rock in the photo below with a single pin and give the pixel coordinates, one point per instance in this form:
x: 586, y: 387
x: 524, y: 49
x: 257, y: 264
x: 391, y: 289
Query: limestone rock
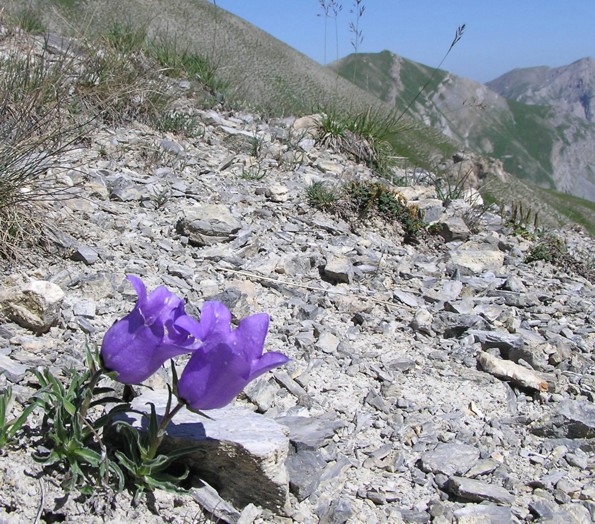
x: 122, y: 189
x: 208, y: 224
x: 305, y: 468
x: 307, y: 126
x: 34, y: 305
x: 239, y: 452
x: 477, y: 490
x: 339, y: 269
x: 85, y: 254
x: 422, y: 321
x: 494, y: 339
x: 277, y: 193
x: 483, y: 514
x: 453, y: 228
x: 450, y: 459
x: 431, y: 209
x: 573, y: 419
x: 309, y: 432
x: 476, y: 261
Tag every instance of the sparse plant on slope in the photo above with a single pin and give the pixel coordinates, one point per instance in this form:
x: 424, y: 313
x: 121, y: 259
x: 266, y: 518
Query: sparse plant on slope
x: 330, y: 8
x: 121, y: 87
x: 10, y: 427
x: 549, y: 249
x: 523, y: 220
x: 29, y: 20
x: 126, y: 37
x: 378, y: 197
x: 321, y: 196
x: 452, y: 185
x: 366, y: 136
x: 458, y: 35
x: 178, y: 123
x: 36, y: 130
x: 368, y: 199
x: 254, y: 173
x: 553, y: 249
x: 183, y: 62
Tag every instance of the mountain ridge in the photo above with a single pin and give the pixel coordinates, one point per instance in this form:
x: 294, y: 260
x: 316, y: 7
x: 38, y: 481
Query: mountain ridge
x: 570, y: 87
x: 539, y: 143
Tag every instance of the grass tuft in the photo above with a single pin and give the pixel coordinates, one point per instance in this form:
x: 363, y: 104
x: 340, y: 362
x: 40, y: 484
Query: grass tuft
x: 125, y: 37
x: 368, y: 199
x: 321, y: 196
x: 366, y: 136
x: 30, y: 21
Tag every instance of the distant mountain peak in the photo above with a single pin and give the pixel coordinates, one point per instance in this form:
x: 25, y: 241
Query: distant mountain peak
x: 569, y: 88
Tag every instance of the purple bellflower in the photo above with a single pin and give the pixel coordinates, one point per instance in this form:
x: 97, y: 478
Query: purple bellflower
x: 218, y: 371
x: 156, y: 330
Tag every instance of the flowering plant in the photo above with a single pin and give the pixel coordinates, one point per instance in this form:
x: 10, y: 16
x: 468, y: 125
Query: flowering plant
x: 222, y: 362
x: 156, y: 330
x: 227, y: 360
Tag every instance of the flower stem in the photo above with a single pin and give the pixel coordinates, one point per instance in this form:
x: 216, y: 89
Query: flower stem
x: 154, y: 446
x: 90, y: 386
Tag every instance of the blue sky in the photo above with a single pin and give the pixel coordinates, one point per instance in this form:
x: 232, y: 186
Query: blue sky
x: 500, y: 35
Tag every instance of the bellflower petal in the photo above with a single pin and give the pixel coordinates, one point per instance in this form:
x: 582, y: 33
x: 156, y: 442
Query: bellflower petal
x: 156, y: 330
x: 215, y: 322
x: 268, y: 361
x: 212, y: 379
x: 219, y: 370
x: 249, y: 336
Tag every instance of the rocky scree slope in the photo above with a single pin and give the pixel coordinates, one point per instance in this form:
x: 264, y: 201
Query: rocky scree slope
x: 444, y: 381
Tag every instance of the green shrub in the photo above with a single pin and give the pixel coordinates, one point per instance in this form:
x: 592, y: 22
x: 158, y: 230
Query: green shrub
x: 377, y: 197
x: 36, y: 130
x: 178, y: 63
x: 523, y: 220
x: 178, y: 123
x: 549, y: 249
x: 366, y: 136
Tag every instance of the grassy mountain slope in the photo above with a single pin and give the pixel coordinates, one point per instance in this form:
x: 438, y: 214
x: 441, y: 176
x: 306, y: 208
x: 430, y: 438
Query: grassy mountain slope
x: 263, y: 72
x: 535, y: 143
x: 267, y: 75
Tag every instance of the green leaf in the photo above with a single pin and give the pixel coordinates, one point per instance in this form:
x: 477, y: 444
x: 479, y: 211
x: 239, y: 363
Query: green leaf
x: 108, y: 417
x: 126, y: 462
x: 157, y: 463
x: 117, y: 471
x: 162, y: 484
x: 153, y: 424
x: 41, y: 379
x: 181, y: 452
x: 131, y: 439
x: 4, y: 401
x: 89, y: 456
x: 56, y: 386
x: 174, y: 479
x: 18, y: 423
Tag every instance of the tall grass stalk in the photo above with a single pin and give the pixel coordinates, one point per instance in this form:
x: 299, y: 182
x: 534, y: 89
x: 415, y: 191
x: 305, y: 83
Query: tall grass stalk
x: 357, y: 38
x: 458, y: 35
x: 330, y: 9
